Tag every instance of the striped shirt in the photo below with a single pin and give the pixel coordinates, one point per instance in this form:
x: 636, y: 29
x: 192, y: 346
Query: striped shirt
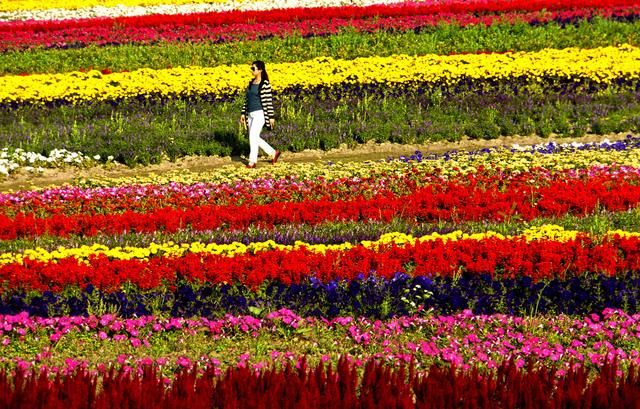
x: 266, y: 99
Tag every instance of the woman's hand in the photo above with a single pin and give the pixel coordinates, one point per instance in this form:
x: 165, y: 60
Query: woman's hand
x: 243, y: 121
x: 272, y: 122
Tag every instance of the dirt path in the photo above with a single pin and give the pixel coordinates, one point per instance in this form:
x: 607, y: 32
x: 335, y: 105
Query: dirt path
x: 370, y: 151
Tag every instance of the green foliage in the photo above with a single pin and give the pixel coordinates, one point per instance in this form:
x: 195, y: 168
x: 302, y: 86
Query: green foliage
x: 140, y: 133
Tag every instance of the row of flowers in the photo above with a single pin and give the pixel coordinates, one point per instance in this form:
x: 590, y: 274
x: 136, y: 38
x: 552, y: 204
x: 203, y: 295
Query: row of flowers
x: 170, y: 249
x: 16, y: 9
x: 477, y: 198
x: 287, y: 181
x: 28, y: 36
x: 497, y: 256
x: 484, y: 183
x: 379, y: 386
x: 20, y: 160
x: 244, y: 26
x: 605, y: 64
x: 372, y: 297
x: 463, y: 340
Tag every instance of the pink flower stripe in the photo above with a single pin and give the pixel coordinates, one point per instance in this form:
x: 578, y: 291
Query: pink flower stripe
x: 498, y: 257
x: 242, y: 26
x: 140, y: 198
x: 478, y: 197
x: 462, y: 340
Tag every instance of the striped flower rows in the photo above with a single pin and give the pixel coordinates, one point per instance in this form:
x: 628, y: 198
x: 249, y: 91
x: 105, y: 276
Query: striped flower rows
x: 239, y: 25
x: 521, y: 257
x: 170, y: 249
x: 59, y: 10
x: 500, y: 257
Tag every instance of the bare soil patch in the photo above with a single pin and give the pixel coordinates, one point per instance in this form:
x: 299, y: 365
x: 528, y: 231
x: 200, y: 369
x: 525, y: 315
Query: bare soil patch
x: 370, y: 151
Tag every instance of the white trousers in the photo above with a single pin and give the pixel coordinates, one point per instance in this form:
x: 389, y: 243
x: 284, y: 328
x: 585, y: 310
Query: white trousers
x: 256, y: 122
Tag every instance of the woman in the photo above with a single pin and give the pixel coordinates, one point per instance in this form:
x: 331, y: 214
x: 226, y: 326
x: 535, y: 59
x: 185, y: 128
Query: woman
x: 258, y: 112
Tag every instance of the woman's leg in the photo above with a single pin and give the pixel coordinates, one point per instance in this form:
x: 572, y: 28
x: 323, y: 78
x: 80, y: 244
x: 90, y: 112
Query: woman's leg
x: 256, y: 122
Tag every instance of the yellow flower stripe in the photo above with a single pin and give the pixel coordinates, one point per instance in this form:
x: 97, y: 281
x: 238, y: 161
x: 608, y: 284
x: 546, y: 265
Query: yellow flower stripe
x: 501, y: 159
x: 13, y: 5
x: 600, y: 64
x: 171, y: 249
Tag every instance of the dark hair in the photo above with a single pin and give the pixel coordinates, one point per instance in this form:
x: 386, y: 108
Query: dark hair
x: 260, y: 65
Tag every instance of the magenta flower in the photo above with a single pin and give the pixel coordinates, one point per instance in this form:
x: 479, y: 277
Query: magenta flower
x: 183, y: 361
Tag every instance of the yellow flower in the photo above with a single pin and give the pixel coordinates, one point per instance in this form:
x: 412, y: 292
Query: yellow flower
x: 600, y: 64
x: 170, y: 249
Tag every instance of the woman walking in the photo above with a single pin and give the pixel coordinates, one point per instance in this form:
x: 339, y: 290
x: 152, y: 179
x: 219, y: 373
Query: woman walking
x: 258, y: 112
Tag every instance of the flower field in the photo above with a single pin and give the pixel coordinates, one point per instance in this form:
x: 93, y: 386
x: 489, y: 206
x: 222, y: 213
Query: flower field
x: 499, y: 277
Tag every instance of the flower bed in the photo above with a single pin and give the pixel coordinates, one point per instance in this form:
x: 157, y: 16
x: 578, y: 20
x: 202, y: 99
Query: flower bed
x: 305, y: 22
x: 598, y: 65
x: 318, y: 387
x: 509, y: 273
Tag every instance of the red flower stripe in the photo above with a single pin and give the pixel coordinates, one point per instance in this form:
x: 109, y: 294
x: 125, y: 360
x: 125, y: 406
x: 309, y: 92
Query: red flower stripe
x: 502, y: 258
x: 312, y: 13
x: 147, y: 198
x: 454, y: 201
x: 236, y: 26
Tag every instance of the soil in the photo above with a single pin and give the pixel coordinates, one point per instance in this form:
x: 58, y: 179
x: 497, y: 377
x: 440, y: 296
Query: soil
x: 370, y: 151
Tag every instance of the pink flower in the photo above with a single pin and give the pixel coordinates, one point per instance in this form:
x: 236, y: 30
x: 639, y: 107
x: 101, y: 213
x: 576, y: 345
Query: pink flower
x: 183, y: 361
x: 595, y: 358
x: 106, y: 319
x: 71, y: 363
x: 24, y: 364
x: 103, y: 335
x: 135, y: 342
